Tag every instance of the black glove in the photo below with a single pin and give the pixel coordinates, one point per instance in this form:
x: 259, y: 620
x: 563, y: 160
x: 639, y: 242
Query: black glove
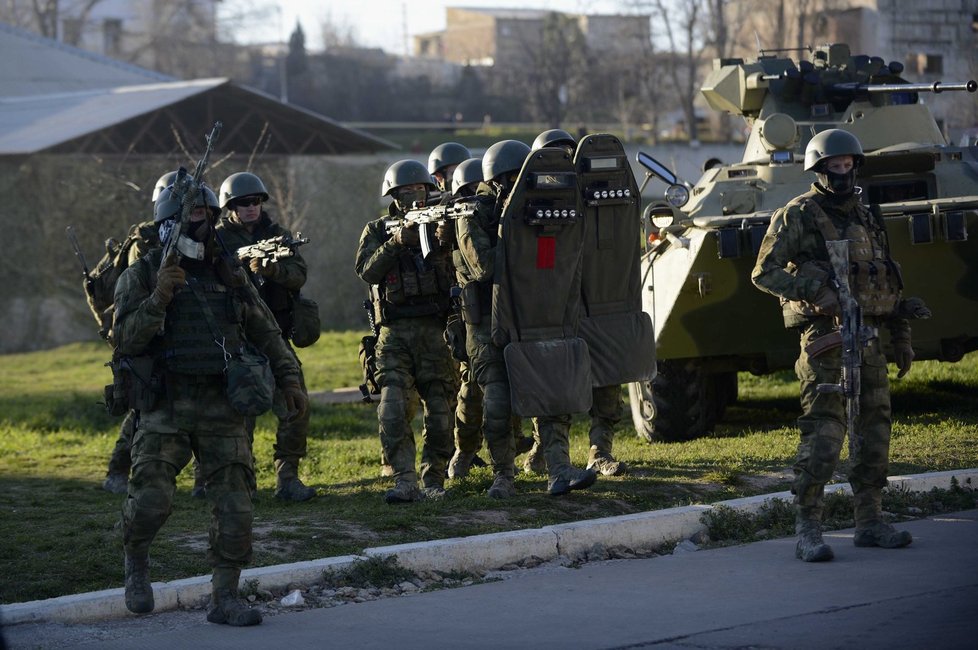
x: 408, y: 236
x: 168, y: 280
x: 826, y: 301
x: 903, y: 356
x: 296, y: 401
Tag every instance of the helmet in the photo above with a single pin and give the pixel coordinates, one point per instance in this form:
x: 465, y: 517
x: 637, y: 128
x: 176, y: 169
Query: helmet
x: 168, y: 204
x: 468, y: 172
x: 241, y: 184
x: 445, y: 155
x: 405, y: 172
x: 503, y: 157
x: 830, y: 143
x: 162, y: 183
x: 554, y: 138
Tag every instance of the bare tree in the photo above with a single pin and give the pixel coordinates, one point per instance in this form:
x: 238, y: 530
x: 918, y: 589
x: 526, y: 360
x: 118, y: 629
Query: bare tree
x: 45, y: 17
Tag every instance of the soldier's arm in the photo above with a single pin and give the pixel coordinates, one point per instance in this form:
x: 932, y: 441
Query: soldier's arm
x: 262, y: 332
x: 476, y: 249
x: 375, y: 254
x: 290, y: 272
x: 782, y: 244
x: 138, y: 314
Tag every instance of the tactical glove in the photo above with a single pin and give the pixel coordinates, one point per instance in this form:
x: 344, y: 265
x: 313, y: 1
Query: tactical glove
x: 168, y: 280
x: 911, y: 308
x: 826, y: 301
x: 296, y: 401
x: 256, y: 266
x: 903, y: 356
x: 408, y: 236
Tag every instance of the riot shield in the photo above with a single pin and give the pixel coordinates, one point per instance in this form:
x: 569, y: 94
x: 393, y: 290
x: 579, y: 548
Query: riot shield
x: 537, y: 292
x: 619, y: 335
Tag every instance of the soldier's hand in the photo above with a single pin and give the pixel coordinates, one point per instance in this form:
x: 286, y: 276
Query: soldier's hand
x: 826, y: 302
x: 295, y: 400
x: 445, y: 233
x: 903, y: 355
x: 257, y: 267
x: 408, y: 236
x: 168, y: 280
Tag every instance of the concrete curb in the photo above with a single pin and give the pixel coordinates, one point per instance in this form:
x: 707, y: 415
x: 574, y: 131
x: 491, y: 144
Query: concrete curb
x: 644, y: 530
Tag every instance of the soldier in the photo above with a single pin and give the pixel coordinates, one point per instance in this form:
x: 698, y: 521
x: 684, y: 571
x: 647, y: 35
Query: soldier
x: 410, y: 301
x: 141, y: 239
x: 442, y: 162
x: 793, y: 265
x: 247, y: 222
x: 188, y: 318
x: 607, y: 405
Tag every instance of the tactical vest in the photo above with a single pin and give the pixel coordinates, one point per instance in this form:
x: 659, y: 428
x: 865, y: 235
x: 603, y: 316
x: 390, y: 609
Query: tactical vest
x: 189, y: 345
x: 874, y: 278
x: 414, y: 287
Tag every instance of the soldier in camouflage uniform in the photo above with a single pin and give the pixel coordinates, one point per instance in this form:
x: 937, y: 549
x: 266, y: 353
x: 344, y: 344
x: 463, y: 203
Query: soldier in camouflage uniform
x: 793, y: 265
x: 246, y: 223
x: 141, y: 239
x: 410, y: 301
x: 170, y: 316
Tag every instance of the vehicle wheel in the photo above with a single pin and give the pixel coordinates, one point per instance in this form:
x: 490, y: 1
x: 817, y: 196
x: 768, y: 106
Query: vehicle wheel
x: 679, y: 404
x: 726, y: 391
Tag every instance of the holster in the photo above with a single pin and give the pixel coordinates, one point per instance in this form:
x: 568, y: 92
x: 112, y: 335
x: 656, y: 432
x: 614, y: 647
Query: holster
x: 824, y: 343
x: 135, y: 385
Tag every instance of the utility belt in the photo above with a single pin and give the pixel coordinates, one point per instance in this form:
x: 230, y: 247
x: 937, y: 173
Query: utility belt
x: 137, y: 383
x: 385, y: 312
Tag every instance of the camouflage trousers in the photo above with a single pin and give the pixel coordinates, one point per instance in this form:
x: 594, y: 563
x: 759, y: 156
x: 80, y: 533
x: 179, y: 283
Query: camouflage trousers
x: 120, y: 462
x: 554, y: 431
x: 606, y: 407
x: 199, y: 420
x: 489, y: 369
x: 412, y: 355
x: 823, y: 421
x: 468, y: 412
x: 291, y: 437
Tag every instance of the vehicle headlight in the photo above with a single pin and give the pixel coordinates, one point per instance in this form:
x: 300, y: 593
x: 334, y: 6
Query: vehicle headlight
x: 677, y: 195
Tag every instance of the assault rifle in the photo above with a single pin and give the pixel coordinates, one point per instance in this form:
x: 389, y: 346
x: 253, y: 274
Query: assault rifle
x: 271, y: 250
x: 854, y: 337
x: 187, y: 188
x: 428, y: 218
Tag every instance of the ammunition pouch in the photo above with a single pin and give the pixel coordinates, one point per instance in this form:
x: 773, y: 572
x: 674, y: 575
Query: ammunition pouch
x: 136, y: 384
x: 306, y: 326
x: 476, y: 300
x: 250, y: 383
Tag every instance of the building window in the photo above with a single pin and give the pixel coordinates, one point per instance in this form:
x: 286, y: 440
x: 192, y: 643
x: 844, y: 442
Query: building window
x: 919, y: 63
x: 111, y: 36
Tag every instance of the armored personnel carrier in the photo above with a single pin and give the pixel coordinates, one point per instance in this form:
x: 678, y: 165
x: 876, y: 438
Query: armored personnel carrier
x: 702, y: 240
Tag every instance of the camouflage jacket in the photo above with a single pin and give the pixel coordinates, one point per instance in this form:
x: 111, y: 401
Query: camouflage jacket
x: 139, y: 318
x: 475, y: 259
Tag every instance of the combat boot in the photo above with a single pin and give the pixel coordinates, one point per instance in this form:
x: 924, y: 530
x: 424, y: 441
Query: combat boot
x: 503, y: 487
x: 139, y: 591
x: 226, y: 607
x: 293, y: 489
x: 572, y: 479
x: 460, y: 464
x: 605, y: 464
x: 808, y: 527
x: 535, y: 462
x: 116, y: 483
x: 871, y: 530
x: 403, y: 492
x: 433, y: 493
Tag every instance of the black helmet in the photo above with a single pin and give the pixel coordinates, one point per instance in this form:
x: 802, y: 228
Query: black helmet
x: 162, y: 183
x: 168, y: 204
x: 554, y: 138
x: 445, y: 155
x: 242, y: 184
x: 405, y: 172
x: 831, y: 143
x: 468, y: 172
x: 503, y: 157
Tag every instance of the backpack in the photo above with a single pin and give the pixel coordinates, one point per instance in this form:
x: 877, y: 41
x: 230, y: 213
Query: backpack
x: 100, y: 283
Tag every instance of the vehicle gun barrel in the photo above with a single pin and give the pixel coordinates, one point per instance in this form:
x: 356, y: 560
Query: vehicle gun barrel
x: 935, y: 87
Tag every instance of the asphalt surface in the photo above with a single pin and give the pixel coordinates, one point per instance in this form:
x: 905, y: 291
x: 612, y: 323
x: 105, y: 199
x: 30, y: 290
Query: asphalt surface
x: 752, y: 596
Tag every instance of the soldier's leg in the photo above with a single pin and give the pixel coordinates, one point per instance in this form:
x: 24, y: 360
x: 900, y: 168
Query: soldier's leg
x: 536, y: 460
x: 120, y: 462
x: 468, y: 423
x: 291, y: 439
x: 437, y: 435
x: 606, y: 413
x: 490, y: 373
x: 871, y: 465
x: 555, y: 438
x: 394, y: 364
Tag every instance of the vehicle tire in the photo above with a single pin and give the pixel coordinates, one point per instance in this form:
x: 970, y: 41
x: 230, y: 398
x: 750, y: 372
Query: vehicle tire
x: 726, y: 391
x: 679, y: 404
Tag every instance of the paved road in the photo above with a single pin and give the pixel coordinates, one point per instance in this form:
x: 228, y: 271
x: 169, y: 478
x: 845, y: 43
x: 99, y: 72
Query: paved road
x: 752, y: 596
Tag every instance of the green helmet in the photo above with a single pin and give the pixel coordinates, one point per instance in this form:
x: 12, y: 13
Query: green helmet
x: 242, y: 184
x: 831, y: 143
x: 405, y: 172
x: 162, y: 183
x: 445, y: 155
x: 503, y: 157
x: 554, y: 138
x: 468, y: 172
x: 168, y: 204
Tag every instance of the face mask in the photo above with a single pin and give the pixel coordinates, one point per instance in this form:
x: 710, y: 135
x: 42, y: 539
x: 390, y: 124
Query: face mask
x: 841, y: 184
x: 406, y: 199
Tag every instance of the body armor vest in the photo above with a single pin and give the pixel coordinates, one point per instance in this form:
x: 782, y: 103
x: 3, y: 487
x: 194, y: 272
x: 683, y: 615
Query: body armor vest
x: 188, y: 340
x: 414, y: 287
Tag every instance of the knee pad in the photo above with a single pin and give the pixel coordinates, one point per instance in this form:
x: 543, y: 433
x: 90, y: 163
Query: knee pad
x: 393, y: 406
x: 230, y: 535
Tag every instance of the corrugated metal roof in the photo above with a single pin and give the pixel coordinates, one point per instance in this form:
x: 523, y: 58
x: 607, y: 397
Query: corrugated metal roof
x: 34, y: 65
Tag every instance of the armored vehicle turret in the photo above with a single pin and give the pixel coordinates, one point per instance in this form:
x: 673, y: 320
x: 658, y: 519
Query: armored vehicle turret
x: 702, y: 240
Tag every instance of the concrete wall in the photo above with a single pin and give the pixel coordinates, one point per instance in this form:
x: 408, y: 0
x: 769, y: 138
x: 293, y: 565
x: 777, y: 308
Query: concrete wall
x: 329, y: 199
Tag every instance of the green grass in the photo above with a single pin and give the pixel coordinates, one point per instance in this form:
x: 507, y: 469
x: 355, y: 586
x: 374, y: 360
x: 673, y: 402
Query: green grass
x: 59, y: 529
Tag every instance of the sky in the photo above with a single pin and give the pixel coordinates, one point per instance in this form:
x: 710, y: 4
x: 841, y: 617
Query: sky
x: 384, y: 23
